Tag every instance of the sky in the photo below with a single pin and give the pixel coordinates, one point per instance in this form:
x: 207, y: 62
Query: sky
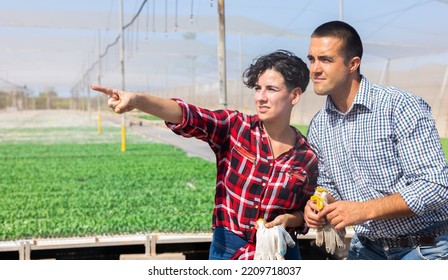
x: 57, y: 44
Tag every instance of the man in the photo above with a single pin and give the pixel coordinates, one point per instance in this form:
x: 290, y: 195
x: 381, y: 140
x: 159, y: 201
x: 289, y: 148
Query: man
x: 380, y: 157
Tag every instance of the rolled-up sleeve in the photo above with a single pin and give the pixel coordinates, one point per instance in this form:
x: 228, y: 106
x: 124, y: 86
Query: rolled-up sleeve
x: 422, y: 156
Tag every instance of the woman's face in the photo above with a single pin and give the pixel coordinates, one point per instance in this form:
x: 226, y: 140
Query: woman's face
x: 273, y: 100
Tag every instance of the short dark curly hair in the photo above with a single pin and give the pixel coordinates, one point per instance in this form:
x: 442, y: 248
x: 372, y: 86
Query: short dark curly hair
x: 295, y: 72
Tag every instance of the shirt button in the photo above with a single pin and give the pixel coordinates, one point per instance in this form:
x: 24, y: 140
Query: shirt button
x: 256, y: 206
x: 264, y: 184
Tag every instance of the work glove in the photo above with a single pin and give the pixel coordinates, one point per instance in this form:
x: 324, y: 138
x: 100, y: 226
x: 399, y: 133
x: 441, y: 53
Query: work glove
x: 327, y: 234
x: 272, y: 242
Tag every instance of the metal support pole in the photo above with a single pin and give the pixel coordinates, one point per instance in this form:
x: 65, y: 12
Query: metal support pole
x: 123, y: 87
x: 99, y: 83
x: 222, y: 54
x: 341, y: 10
x: 439, y: 114
x: 240, y: 67
x: 385, y: 72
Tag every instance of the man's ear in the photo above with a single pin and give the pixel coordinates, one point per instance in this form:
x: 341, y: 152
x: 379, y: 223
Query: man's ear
x: 354, y: 64
x: 297, y: 94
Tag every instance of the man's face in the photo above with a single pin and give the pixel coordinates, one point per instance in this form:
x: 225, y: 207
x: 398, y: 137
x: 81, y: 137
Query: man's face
x: 328, y: 69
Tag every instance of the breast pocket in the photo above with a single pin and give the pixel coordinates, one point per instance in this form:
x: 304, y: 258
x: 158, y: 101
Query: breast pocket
x: 290, y: 193
x: 242, y: 162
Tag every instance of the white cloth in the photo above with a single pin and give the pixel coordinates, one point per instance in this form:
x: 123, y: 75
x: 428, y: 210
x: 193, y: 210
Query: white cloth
x: 272, y: 242
x: 333, y: 238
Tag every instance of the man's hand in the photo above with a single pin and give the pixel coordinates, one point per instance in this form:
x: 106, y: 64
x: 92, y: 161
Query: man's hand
x: 119, y: 101
x: 344, y: 213
x: 349, y: 213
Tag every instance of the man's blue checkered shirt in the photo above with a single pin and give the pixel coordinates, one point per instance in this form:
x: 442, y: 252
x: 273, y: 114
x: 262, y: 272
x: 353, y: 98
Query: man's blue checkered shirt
x: 386, y: 143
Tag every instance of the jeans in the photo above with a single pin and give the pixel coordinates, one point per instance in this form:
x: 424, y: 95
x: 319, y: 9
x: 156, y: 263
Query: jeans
x: 225, y: 243
x: 365, y: 249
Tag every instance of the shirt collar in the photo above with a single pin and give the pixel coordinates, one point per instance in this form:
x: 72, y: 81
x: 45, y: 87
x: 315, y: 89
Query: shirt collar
x: 255, y: 121
x: 300, y: 139
x: 363, y: 97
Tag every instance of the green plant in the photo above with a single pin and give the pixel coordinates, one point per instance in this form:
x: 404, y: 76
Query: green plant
x: 63, y: 190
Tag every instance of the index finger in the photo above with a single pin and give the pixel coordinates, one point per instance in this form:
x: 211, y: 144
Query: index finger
x: 328, y: 208
x: 312, y: 204
x: 102, y: 89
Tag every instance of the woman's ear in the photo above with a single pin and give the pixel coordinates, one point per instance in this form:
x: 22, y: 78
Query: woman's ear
x: 296, y: 94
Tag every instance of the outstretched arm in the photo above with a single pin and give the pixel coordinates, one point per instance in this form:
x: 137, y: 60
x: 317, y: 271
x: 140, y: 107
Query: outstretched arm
x: 124, y: 101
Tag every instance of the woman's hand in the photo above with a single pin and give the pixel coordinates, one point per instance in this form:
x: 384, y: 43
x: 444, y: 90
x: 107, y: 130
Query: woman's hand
x: 287, y: 220
x: 119, y: 101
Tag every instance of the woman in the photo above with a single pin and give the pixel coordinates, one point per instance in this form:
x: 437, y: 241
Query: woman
x: 265, y: 167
